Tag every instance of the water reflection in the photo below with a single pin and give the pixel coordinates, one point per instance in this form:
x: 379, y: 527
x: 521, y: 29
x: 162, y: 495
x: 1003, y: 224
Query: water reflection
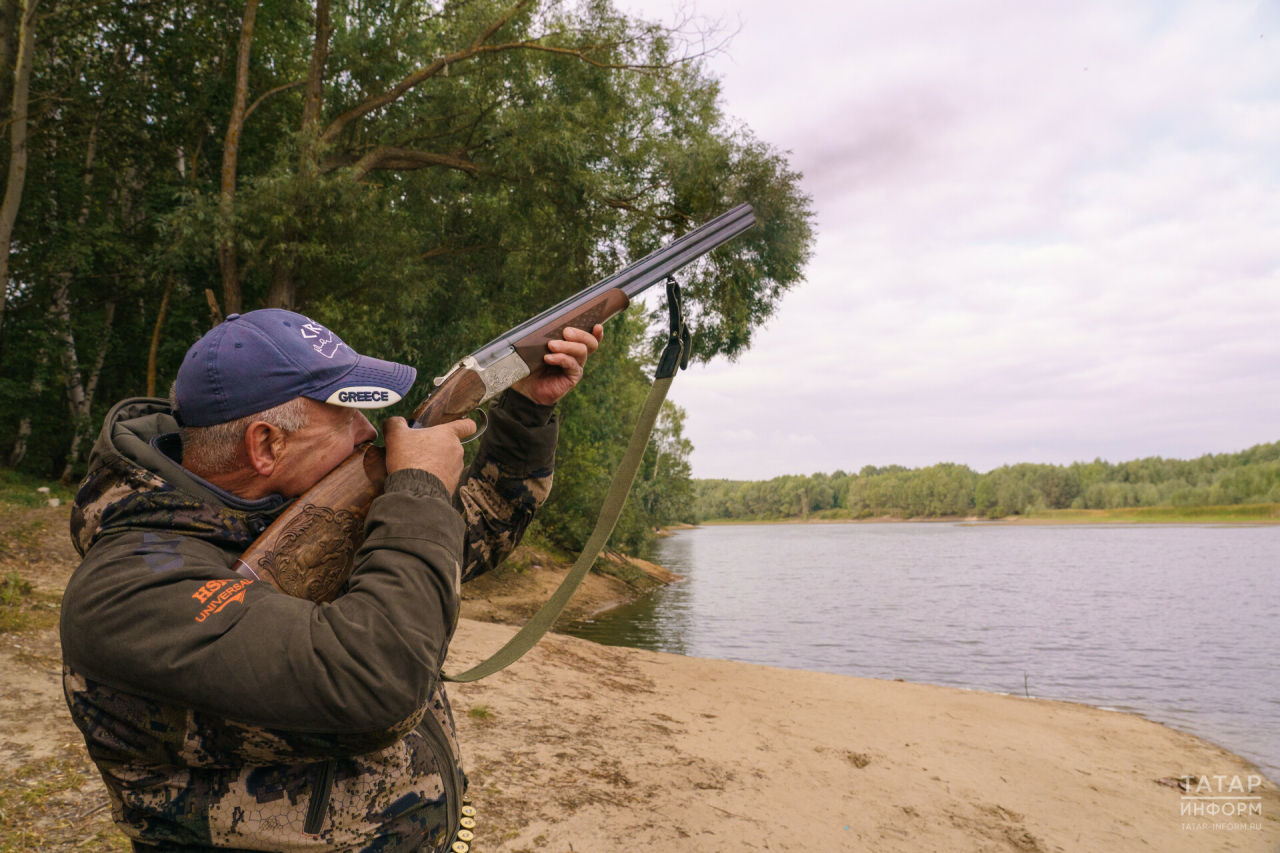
x: 653, y: 622
x: 1178, y: 623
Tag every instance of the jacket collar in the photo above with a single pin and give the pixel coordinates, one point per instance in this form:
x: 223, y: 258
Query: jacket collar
x: 133, y: 484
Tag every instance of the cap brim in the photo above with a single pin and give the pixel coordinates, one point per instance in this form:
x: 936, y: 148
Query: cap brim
x: 371, y: 384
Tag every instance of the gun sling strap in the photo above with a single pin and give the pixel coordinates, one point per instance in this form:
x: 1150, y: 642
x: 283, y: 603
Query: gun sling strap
x: 674, y: 357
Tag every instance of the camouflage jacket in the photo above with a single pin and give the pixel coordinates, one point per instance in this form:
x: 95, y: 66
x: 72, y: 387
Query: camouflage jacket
x: 225, y: 715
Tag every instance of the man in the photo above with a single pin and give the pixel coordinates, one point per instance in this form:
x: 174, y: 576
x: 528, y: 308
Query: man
x: 226, y: 715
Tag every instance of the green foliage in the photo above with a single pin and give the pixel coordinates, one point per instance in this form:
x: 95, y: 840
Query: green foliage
x: 781, y: 497
x: 19, y: 489
x: 1249, y: 477
x: 563, y: 170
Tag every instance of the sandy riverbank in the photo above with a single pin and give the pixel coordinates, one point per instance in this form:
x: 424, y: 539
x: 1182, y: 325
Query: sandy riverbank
x: 587, y: 748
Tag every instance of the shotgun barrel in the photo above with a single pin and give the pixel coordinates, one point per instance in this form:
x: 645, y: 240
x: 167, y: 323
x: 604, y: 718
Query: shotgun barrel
x: 518, y: 352
x: 641, y: 275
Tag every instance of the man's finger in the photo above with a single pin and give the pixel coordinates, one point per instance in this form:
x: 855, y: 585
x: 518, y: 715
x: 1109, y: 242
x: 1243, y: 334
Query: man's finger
x: 462, y: 427
x: 590, y: 340
x: 578, y: 352
x: 394, y: 425
x: 567, y: 362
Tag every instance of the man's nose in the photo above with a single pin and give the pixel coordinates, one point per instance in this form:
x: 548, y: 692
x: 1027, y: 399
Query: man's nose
x: 364, y: 430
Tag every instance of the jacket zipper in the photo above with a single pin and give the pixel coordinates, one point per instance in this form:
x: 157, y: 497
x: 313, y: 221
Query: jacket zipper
x: 320, y: 793
x: 448, y: 772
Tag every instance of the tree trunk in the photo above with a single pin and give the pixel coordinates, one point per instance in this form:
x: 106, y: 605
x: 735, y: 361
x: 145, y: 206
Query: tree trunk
x: 230, y: 154
x: 79, y: 396
x: 24, y: 426
x: 70, y: 364
x: 313, y: 99
x: 283, y: 293
x: 215, y: 313
x: 17, y: 146
x: 62, y: 319
x: 155, y: 336
x: 10, y: 27
x: 92, y: 387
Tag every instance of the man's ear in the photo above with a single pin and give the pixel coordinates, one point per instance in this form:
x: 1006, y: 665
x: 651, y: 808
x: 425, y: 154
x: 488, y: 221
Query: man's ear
x: 265, y: 446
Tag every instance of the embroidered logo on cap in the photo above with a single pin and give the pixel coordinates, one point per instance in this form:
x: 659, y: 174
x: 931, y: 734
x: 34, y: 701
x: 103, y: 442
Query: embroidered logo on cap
x: 313, y: 331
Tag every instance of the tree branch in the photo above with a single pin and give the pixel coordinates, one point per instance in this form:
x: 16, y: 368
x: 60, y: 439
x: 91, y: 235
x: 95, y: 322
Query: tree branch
x: 339, y: 124
x: 267, y: 94
x: 386, y: 158
x: 448, y: 249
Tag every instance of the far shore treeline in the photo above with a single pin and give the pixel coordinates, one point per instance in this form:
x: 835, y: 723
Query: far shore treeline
x: 418, y: 175
x: 1249, y: 477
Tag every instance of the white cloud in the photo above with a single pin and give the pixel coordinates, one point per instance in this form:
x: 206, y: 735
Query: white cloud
x: 1018, y: 259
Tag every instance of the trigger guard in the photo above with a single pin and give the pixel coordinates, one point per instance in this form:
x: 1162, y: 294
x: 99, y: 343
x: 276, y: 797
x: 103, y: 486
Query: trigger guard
x: 483, y: 427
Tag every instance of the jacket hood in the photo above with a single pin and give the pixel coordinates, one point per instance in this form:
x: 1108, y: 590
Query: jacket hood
x: 132, y: 485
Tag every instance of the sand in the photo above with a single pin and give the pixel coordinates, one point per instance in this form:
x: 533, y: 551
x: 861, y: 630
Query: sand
x: 589, y: 748
x: 584, y: 748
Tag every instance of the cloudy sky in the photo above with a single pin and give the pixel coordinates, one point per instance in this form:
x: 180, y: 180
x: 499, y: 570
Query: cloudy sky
x: 1047, y: 231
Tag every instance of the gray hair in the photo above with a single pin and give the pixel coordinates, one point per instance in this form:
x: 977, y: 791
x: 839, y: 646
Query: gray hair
x: 212, y: 449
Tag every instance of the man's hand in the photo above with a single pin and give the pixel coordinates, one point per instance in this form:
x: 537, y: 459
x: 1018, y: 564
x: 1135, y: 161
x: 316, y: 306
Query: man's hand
x: 436, y: 449
x: 564, y: 366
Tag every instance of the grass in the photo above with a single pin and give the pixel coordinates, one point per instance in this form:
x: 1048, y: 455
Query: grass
x: 625, y: 572
x: 14, y: 590
x: 35, y: 816
x: 479, y: 712
x: 534, y: 551
x: 20, y: 489
x: 1165, y: 514
x: 23, y: 608
x: 20, y: 539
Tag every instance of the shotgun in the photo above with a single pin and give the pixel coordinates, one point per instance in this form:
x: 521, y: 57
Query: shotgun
x: 309, y: 551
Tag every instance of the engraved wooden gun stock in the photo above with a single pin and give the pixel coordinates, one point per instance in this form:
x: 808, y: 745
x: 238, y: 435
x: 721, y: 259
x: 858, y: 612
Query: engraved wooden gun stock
x: 309, y: 550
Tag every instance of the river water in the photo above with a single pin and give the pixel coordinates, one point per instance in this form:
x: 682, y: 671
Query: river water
x: 1180, y: 624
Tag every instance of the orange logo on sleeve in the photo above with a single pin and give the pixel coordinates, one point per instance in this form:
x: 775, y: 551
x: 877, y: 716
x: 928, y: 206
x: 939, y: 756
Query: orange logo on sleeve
x: 217, y: 594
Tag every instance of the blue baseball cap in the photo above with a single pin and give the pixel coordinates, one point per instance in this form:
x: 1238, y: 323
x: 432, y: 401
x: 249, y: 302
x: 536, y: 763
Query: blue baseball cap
x: 255, y: 361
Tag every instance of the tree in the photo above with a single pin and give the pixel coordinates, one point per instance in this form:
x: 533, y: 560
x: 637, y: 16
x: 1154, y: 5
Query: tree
x: 418, y: 175
x: 23, y: 36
